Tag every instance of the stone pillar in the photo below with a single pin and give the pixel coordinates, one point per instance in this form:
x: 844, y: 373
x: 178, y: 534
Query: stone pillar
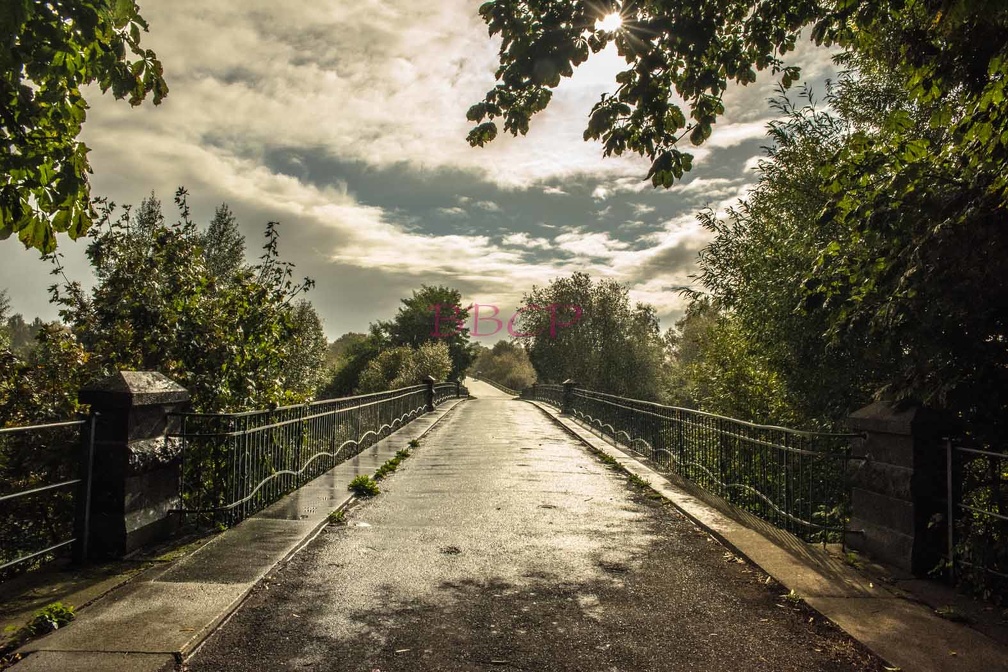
x: 458, y: 389
x: 899, y: 487
x: 136, y: 473
x: 568, y: 397
x: 429, y: 382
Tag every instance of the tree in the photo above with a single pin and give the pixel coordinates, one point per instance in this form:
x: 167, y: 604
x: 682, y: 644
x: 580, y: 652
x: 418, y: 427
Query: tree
x: 50, y: 52
x: 223, y: 243
x: 354, y: 354
x: 712, y: 366
x: 5, y: 337
x: 22, y: 334
x: 692, y: 51
x: 235, y: 344
x: 608, y: 344
x: 764, y: 250
x: 432, y: 313
x: 403, y: 366
x: 304, y: 372
x: 506, y: 364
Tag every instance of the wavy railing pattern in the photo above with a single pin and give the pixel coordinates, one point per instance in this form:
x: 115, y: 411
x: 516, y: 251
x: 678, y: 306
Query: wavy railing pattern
x: 236, y: 464
x: 794, y: 479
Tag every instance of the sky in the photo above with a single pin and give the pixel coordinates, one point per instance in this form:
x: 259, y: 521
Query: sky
x: 345, y: 122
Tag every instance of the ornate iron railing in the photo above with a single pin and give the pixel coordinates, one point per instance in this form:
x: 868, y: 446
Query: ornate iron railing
x: 977, y: 507
x: 449, y: 390
x: 794, y: 479
x: 545, y: 392
x: 41, y: 485
x: 238, y: 463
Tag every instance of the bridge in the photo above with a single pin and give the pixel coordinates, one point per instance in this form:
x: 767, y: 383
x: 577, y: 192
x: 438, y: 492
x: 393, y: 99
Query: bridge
x: 568, y: 530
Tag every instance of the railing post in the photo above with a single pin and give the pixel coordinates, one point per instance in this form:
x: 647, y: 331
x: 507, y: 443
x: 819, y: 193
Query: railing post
x: 898, y: 488
x: 568, y: 397
x: 136, y: 466
x: 458, y: 389
x: 429, y: 382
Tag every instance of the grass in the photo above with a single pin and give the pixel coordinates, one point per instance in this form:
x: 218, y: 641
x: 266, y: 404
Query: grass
x: 638, y: 481
x: 391, y: 464
x: 606, y: 459
x: 337, y: 517
x: 364, y: 486
x: 49, y: 618
x: 367, y: 486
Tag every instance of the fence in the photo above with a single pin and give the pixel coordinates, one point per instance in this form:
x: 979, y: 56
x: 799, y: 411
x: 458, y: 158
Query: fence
x: 977, y: 510
x: 41, y: 484
x: 450, y: 390
x: 796, y: 480
x: 236, y: 464
x: 546, y: 393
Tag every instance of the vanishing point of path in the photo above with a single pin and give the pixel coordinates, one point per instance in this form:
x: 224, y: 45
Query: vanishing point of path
x: 502, y: 544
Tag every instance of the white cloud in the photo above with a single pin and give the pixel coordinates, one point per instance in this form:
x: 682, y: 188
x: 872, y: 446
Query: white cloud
x: 386, y: 84
x: 525, y: 240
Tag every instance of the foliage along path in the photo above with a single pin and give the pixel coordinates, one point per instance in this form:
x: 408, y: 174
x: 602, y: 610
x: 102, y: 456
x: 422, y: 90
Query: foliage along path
x: 502, y: 544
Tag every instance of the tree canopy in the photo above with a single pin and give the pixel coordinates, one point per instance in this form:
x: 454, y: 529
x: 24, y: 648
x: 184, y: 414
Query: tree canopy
x: 506, y: 364
x: 682, y: 56
x: 49, y: 51
x: 236, y: 342
x: 432, y: 313
x: 609, y: 344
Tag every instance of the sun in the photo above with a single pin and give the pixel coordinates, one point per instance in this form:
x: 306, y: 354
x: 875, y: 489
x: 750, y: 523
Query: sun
x: 610, y: 23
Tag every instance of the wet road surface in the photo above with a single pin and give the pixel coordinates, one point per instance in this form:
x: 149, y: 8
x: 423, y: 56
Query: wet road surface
x: 502, y: 544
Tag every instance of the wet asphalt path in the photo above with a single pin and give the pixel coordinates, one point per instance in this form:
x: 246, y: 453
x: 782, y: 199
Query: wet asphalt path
x: 501, y: 544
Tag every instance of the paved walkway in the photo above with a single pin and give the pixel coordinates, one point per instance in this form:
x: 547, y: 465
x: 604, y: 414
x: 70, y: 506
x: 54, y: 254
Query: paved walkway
x: 157, y: 618
x: 503, y: 544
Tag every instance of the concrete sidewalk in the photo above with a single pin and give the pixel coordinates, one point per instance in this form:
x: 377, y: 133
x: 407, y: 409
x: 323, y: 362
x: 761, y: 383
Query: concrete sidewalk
x: 909, y: 635
x: 153, y: 622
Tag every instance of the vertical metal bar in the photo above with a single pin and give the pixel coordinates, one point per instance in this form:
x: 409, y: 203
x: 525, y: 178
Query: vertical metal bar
x: 87, y: 490
x: 950, y: 509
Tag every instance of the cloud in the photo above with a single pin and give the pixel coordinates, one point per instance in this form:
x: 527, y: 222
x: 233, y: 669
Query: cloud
x: 525, y: 240
x: 349, y: 94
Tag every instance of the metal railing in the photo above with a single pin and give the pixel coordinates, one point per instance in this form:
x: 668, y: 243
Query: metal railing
x: 449, y: 390
x: 40, y: 490
x: 494, y: 383
x: 235, y: 464
x: 795, y: 480
x: 547, y: 393
x: 977, y: 511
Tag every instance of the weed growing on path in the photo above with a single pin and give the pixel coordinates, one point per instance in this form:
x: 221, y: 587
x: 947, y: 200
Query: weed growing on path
x: 638, y: 481
x: 364, y: 486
